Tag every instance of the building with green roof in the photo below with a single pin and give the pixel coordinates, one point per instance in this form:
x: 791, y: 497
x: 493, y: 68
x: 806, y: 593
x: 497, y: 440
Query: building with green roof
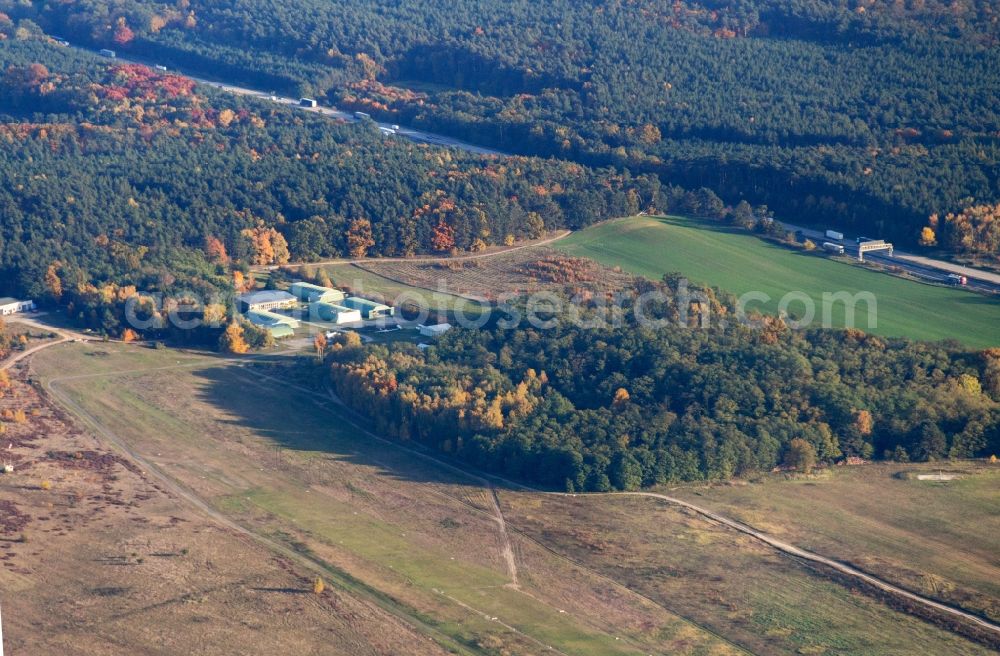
x: 368, y: 309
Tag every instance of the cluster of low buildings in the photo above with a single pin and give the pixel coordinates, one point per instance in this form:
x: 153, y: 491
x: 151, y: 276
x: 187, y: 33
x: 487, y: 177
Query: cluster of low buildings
x: 315, y: 302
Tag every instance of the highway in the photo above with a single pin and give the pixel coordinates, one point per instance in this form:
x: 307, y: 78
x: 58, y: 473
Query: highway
x: 332, y: 112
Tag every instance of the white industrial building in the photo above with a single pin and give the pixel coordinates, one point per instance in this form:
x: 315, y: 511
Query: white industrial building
x: 338, y: 314
x: 10, y: 306
x: 268, y: 299
x: 435, y: 330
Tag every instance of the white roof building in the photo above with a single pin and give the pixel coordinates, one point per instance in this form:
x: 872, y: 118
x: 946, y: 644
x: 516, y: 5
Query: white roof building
x: 10, y: 305
x: 435, y: 330
x: 268, y: 299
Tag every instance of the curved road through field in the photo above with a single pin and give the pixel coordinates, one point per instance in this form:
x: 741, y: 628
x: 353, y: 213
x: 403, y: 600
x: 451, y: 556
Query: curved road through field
x: 792, y: 550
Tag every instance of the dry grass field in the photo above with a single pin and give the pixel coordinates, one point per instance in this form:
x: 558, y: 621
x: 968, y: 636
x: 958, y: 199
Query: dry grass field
x: 519, y: 572
x: 522, y: 271
x: 97, y: 558
x: 728, y: 582
x: 939, y: 538
x: 422, y: 538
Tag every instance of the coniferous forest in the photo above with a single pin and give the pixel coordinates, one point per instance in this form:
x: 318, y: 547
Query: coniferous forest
x: 117, y: 177
x: 118, y: 180
x: 864, y: 115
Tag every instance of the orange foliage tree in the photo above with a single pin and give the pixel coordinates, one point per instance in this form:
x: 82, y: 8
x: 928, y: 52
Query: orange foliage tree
x: 123, y: 33
x: 359, y: 237
x: 232, y: 340
x: 269, y: 246
x: 443, y: 238
x: 215, y: 250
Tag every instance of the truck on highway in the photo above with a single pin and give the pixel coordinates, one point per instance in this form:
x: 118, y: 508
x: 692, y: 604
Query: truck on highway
x: 104, y: 52
x: 362, y: 116
x: 833, y: 248
x: 307, y: 102
x: 955, y: 279
x: 833, y: 234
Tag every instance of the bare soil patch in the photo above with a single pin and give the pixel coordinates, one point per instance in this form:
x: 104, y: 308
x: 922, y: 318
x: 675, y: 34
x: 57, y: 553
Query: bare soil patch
x: 522, y: 271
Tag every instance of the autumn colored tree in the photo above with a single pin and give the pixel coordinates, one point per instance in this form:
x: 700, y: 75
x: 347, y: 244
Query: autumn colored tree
x: 242, y: 283
x: 650, y: 134
x: 157, y: 23
x: 801, y: 455
x: 53, y: 284
x: 268, y: 245
x: 359, y: 237
x: 129, y: 335
x: 226, y: 117
x: 232, y: 340
x: 443, y: 238
x: 621, y: 398
x: 863, y: 422
x: 927, y: 236
x: 318, y: 586
x: 123, y: 33
x: 319, y: 343
x: 215, y: 250
x: 37, y: 73
x: 974, y: 230
x: 369, y: 67
x: 213, y: 314
x: 347, y: 339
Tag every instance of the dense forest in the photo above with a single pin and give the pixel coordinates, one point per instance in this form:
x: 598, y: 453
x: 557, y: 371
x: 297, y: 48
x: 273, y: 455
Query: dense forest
x: 117, y: 177
x: 861, y: 114
x: 622, y: 407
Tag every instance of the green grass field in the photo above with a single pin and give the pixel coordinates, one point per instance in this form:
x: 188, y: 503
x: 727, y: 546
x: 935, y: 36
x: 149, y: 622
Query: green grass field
x: 738, y: 262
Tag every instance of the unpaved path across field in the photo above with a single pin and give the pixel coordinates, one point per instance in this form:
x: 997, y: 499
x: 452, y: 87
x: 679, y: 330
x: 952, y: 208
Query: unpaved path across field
x: 64, y: 336
x: 792, y: 550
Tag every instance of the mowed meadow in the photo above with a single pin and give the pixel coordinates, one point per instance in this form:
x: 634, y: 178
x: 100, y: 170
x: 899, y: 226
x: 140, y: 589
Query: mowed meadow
x: 738, y: 262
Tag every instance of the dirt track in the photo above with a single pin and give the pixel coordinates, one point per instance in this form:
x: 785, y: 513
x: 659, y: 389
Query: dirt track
x: 792, y: 550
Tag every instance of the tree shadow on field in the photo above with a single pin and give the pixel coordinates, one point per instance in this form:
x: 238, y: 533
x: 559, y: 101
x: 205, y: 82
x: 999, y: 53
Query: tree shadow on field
x: 286, y: 417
